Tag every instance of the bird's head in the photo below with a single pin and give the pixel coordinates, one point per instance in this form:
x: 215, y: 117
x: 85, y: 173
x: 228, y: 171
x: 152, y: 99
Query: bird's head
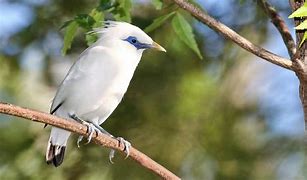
x: 127, y: 35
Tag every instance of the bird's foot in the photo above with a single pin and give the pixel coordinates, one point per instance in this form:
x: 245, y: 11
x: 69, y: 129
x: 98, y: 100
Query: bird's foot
x: 127, y: 146
x: 91, y: 129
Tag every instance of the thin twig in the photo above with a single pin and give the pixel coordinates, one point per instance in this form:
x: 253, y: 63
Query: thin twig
x: 233, y: 36
x: 80, y: 129
x: 281, y: 26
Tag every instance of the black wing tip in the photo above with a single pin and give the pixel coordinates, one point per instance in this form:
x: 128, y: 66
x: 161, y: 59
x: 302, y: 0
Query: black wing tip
x: 52, y: 111
x: 52, y: 157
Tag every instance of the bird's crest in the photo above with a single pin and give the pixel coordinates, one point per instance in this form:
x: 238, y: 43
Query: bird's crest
x: 106, y: 26
x: 122, y: 30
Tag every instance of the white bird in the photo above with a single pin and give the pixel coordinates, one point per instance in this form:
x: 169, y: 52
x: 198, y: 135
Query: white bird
x: 96, y: 83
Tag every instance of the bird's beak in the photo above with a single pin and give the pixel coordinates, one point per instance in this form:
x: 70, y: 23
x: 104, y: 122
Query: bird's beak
x: 157, y: 47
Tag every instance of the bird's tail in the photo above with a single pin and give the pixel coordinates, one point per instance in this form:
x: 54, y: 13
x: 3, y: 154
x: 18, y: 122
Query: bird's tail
x: 56, y: 146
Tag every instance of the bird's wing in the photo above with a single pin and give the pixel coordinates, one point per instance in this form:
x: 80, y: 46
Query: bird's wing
x: 79, y: 71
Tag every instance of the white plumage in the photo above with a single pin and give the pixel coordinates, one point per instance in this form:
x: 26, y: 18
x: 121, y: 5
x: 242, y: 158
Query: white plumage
x: 97, y: 81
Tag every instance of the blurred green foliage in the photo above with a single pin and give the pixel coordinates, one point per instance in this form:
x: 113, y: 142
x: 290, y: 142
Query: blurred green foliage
x: 189, y: 115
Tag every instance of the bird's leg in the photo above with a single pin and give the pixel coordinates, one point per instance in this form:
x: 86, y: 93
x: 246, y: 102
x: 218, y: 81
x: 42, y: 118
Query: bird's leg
x: 103, y: 130
x: 92, y: 127
x: 121, y: 140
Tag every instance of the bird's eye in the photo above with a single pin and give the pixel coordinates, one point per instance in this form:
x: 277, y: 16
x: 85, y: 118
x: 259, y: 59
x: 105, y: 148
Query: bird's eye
x: 133, y: 40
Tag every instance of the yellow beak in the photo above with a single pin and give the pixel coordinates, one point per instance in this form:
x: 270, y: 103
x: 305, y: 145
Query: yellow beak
x: 157, y: 47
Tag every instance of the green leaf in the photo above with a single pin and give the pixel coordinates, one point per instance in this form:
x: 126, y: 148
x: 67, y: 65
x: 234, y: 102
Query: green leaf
x: 300, y: 12
x: 122, y: 10
x: 158, y: 4
x: 304, y: 38
x: 98, y: 16
x: 85, y: 21
x: 302, y: 26
x: 185, y: 33
x: 105, y: 5
x: 66, y: 24
x: 90, y: 39
x: 70, y: 32
x: 158, y: 22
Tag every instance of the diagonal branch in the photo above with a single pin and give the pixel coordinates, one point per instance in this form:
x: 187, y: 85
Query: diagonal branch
x: 80, y: 129
x: 281, y: 26
x: 233, y: 36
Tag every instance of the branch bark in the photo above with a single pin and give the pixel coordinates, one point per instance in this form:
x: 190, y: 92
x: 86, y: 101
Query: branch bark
x: 233, y: 36
x: 300, y: 61
x: 281, y: 26
x: 80, y: 129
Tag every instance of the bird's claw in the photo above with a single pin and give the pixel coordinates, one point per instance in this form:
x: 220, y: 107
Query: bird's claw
x: 91, y: 129
x: 79, y: 140
x: 127, y: 146
x: 111, y: 156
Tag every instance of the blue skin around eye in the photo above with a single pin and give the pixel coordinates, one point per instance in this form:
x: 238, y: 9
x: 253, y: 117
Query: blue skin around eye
x: 138, y: 45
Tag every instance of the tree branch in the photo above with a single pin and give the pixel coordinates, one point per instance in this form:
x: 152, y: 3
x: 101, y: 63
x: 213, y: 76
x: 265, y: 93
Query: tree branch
x: 80, y: 129
x: 281, y: 26
x: 300, y: 62
x: 233, y: 36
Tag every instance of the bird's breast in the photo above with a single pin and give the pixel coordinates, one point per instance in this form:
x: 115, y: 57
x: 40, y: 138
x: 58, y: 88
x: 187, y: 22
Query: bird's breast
x: 102, y: 86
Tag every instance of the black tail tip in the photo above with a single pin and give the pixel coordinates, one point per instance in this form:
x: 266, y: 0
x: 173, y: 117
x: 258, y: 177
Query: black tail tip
x: 55, y: 154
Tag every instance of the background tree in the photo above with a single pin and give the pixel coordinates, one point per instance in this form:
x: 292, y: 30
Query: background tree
x: 202, y: 119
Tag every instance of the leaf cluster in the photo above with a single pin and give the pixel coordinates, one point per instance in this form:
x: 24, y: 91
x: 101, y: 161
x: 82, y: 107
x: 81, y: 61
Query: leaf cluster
x: 120, y: 9
x: 301, y: 13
